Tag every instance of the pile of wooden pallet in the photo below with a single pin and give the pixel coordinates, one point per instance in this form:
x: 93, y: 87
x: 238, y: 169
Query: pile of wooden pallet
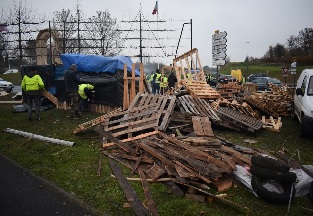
x: 229, y: 90
x: 271, y: 103
x: 200, y: 89
x: 162, y: 156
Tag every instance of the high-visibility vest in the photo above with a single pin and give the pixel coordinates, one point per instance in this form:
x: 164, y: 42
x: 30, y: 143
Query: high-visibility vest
x: 147, y: 77
x: 163, y: 83
x: 81, y: 89
x: 158, y: 75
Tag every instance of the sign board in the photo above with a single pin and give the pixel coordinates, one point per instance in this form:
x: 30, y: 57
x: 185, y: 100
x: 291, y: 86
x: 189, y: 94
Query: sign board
x: 219, y: 48
x: 285, y: 71
x: 216, y: 51
x: 293, y: 71
x: 219, y: 42
x: 219, y: 62
x: 219, y: 35
x: 220, y: 55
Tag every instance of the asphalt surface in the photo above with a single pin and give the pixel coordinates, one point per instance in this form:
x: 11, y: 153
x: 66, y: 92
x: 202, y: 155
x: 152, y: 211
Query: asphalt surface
x: 22, y: 193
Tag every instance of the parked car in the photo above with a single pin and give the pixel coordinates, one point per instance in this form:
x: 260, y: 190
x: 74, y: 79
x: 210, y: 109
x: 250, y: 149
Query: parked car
x: 6, y: 86
x: 224, y: 79
x: 262, y: 83
x: 303, y: 102
x: 11, y: 71
x: 251, y: 77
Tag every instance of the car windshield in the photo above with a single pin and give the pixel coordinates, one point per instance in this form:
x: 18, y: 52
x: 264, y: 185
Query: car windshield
x: 274, y: 81
x: 310, y: 86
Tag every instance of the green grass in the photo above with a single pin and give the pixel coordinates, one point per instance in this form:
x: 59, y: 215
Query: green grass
x: 15, y: 78
x: 75, y: 168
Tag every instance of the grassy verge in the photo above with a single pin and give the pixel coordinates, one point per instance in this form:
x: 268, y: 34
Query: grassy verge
x: 75, y: 168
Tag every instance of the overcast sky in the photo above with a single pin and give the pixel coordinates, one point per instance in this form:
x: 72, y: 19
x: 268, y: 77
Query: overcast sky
x: 260, y: 22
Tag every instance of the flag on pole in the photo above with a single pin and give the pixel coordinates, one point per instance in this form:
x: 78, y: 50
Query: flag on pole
x: 155, y: 9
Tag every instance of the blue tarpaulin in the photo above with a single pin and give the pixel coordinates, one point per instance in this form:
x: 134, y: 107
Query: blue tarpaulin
x: 97, y: 64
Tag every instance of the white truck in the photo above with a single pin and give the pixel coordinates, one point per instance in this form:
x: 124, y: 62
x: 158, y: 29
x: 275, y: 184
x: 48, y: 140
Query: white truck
x: 303, y: 102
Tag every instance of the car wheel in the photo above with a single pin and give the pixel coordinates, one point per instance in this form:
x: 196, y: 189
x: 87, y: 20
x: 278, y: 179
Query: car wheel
x: 270, y: 163
x: 289, y: 177
x: 257, y: 184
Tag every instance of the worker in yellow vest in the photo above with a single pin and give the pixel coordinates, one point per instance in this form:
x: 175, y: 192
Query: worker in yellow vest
x: 156, y: 82
x: 86, y: 95
x: 163, y: 84
x: 243, y: 80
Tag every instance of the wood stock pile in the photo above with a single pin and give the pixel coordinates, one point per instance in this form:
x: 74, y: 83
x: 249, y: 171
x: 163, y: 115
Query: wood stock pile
x: 273, y: 103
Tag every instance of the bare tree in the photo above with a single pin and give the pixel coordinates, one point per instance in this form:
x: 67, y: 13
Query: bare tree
x: 20, y: 29
x: 102, y: 29
x: 65, y: 22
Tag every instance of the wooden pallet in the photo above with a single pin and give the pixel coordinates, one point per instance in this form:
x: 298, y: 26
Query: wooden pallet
x: 200, y: 89
x: 202, y: 126
x: 196, y: 106
x: 55, y: 101
x: 94, y: 122
x: 165, y: 106
x: 272, y: 124
x: 239, y: 119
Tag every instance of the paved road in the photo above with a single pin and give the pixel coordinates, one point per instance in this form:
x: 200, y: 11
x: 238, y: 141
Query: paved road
x: 17, y: 88
x: 22, y: 193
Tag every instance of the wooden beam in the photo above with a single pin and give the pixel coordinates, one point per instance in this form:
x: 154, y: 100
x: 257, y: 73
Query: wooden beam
x: 131, y: 195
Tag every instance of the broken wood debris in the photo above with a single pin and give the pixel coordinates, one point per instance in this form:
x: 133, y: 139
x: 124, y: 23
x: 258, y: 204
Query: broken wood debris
x: 196, y: 106
x: 272, y: 124
x: 177, y: 159
x: 241, y: 120
x: 129, y: 192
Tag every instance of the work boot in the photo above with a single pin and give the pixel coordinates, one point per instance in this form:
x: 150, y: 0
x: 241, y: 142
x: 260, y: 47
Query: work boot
x: 38, y: 119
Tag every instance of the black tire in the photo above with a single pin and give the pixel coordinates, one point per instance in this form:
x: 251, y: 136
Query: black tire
x: 270, y: 163
x: 273, y: 175
x: 272, y: 197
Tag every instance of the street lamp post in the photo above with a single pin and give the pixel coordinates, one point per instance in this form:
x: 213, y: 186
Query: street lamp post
x: 247, y: 57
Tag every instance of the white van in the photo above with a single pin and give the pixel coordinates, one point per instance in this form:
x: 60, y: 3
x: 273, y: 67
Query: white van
x: 303, y: 102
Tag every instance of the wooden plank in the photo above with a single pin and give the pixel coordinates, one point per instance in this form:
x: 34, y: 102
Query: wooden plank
x: 126, y: 95
x: 108, y: 135
x: 167, y: 113
x: 155, y: 171
x: 132, y: 138
x: 223, y: 183
x: 206, y: 126
x: 149, y: 199
x: 131, y: 195
x: 197, y: 127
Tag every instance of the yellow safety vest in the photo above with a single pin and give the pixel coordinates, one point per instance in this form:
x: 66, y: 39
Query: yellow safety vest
x: 81, y: 88
x: 158, y: 75
x: 163, y: 83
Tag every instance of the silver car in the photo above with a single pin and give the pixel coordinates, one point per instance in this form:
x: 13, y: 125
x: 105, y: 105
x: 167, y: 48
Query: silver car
x: 6, y: 86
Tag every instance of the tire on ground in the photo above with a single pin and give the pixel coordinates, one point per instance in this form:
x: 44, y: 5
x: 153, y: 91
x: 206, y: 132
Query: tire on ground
x: 289, y: 177
x: 272, y: 197
x: 270, y: 163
